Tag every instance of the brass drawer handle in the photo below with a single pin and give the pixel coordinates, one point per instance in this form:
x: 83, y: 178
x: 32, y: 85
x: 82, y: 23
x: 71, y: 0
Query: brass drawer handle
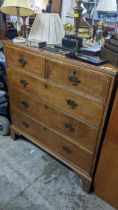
x: 23, y: 82
x: 26, y: 125
x: 22, y: 61
x: 74, y: 79
x: 45, y: 129
x: 25, y: 104
x: 69, y: 127
x: 67, y: 149
x: 71, y: 103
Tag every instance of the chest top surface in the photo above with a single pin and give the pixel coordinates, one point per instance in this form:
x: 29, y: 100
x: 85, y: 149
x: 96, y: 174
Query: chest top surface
x: 57, y: 57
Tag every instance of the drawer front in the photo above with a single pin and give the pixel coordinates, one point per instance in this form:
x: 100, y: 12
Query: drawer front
x: 26, y: 61
x: 55, y: 142
x: 79, y: 132
x: 59, y: 97
x: 79, y: 79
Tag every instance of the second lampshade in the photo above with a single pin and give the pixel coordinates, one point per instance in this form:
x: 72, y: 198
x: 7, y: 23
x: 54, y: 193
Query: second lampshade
x: 47, y: 27
x: 107, y: 6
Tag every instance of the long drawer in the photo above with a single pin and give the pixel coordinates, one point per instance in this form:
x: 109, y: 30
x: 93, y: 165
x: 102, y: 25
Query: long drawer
x: 27, y: 61
x: 75, y: 104
x: 78, y: 131
x: 55, y: 142
x: 79, y: 78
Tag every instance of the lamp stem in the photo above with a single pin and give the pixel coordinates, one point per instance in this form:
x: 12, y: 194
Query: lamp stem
x: 77, y: 18
x: 18, y: 21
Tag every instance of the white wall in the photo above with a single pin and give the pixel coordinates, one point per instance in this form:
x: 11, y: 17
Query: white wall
x: 13, y: 18
x: 67, y: 9
x: 38, y: 5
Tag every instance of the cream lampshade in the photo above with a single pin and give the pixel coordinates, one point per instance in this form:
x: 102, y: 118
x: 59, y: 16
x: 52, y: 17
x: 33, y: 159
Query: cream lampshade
x: 107, y: 6
x: 17, y: 8
x: 47, y: 27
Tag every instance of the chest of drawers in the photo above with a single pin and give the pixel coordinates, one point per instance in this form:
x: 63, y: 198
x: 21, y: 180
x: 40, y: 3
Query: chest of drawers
x: 59, y: 104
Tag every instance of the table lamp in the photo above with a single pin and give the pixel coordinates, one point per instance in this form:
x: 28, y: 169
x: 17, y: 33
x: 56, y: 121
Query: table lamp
x: 17, y: 8
x: 47, y: 27
x: 78, y: 13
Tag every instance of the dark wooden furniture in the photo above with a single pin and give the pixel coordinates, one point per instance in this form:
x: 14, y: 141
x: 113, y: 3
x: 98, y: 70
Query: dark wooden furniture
x: 59, y: 104
x: 56, y: 6
x: 3, y: 24
x: 106, y: 179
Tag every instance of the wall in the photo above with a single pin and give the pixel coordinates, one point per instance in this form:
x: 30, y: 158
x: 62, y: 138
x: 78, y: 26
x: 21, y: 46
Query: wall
x: 67, y: 9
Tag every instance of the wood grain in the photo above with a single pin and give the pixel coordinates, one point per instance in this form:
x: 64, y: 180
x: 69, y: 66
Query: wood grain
x: 87, y: 81
x: 63, y: 101
x: 84, y: 108
x: 27, y: 61
x: 56, y: 6
x: 79, y: 132
x: 53, y: 140
x: 86, y: 178
x: 108, y: 69
x: 106, y: 179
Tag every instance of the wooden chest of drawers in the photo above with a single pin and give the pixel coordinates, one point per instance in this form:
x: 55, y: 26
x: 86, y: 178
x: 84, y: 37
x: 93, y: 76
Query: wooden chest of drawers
x: 59, y: 104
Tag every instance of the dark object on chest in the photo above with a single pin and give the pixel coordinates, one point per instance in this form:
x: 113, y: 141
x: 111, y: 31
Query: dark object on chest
x: 110, y: 50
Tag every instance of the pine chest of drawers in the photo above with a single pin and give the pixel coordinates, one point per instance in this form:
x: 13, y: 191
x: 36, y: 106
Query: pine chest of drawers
x: 59, y: 104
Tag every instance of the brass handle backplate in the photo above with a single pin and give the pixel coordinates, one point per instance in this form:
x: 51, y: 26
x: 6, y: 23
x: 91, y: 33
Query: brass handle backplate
x: 26, y: 125
x: 23, y: 82
x: 22, y: 60
x: 25, y: 104
x: 69, y: 127
x: 73, y: 78
x: 67, y: 149
x: 71, y: 103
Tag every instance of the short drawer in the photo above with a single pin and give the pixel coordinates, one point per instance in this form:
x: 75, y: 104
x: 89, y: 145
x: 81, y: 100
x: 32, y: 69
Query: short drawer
x: 77, y: 105
x: 26, y: 61
x: 55, y: 142
x: 81, y: 133
x: 80, y: 79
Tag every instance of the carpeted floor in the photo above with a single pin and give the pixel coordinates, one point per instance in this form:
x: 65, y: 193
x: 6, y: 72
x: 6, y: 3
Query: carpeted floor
x: 30, y: 179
